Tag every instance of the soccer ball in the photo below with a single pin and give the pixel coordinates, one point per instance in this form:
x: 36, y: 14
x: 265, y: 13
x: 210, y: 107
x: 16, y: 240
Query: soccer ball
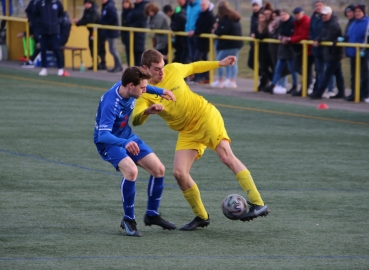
x: 234, y: 206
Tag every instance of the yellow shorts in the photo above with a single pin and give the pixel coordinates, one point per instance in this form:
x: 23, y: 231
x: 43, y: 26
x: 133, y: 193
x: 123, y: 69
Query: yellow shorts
x: 207, y: 132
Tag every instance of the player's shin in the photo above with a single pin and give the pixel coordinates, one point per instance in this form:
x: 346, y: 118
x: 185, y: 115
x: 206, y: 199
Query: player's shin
x: 128, y: 189
x: 248, y: 185
x: 192, y: 195
x: 154, y: 192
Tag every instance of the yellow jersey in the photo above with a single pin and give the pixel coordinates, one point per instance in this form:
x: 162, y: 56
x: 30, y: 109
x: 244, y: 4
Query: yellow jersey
x: 188, y: 109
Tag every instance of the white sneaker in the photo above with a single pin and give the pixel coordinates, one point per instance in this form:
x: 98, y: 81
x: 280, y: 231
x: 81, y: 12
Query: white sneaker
x: 279, y: 90
x: 43, y: 72
x: 60, y: 72
x: 230, y: 84
x: 226, y: 81
x: 217, y: 84
x: 366, y: 100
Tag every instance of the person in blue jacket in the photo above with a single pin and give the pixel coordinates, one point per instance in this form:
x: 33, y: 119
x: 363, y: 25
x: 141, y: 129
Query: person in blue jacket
x: 358, y: 33
x: 109, y: 16
x: 193, y: 12
x: 117, y: 144
x: 49, y: 14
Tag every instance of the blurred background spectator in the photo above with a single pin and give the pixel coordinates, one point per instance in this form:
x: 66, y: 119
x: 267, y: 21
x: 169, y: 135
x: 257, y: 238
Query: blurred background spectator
x: 127, y: 7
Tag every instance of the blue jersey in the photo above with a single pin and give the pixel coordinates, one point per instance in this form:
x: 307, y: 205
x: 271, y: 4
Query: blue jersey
x: 111, y: 124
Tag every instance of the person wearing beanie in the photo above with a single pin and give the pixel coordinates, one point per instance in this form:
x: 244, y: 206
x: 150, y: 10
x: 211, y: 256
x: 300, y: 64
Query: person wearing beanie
x: 358, y: 33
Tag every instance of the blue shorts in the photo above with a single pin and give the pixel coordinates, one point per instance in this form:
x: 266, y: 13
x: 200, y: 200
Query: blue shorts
x: 114, y: 154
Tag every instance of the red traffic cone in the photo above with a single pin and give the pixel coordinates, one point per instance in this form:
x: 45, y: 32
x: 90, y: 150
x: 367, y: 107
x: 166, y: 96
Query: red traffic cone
x: 323, y: 106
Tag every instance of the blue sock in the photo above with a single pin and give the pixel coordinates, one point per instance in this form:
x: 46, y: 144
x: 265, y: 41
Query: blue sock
x: 154, y: 191
x: 128, y: 189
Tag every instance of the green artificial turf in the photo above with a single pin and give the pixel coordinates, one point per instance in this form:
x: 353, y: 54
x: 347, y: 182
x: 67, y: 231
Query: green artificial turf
x: 61, y: 205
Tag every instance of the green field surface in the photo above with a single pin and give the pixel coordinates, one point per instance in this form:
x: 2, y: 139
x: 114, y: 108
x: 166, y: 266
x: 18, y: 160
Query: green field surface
x: 61, y: 204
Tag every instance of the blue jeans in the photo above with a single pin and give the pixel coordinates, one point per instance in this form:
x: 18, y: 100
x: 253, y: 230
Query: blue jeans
x: 231, y: 71
x: 332, y: 68
x: 279, y: 68
x: 283, y: 82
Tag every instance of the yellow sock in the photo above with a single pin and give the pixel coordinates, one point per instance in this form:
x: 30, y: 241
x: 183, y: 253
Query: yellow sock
x: 192, y: 195
x: 248, y: 185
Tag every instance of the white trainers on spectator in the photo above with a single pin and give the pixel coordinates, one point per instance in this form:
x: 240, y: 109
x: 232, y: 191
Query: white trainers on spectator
x: 279, y: 90
x: 366, y: 100
x: 230, y: 84
x: 43, y: 72
x: 60, y: 72
x: 217, y: 84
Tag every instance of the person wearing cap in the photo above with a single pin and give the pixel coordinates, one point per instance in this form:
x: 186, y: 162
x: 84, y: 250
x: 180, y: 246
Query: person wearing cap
x: 300, y: 32
x: 332, y: 55
x: 358, y: 33
x: 90, y: 15
x: 350, y: 15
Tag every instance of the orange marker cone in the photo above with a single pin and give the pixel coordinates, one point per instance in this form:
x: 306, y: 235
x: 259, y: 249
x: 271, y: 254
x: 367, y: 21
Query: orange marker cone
x: 323, y: 106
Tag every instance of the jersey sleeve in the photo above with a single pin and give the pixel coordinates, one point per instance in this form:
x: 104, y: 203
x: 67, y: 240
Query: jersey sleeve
x: 107, y: 137
x: 195, y: 67
x: 138, y: 116
x: 154, y: 90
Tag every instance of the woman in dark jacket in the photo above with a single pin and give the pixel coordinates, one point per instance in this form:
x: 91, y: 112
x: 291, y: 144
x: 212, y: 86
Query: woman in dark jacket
x: 127, y: 7
x: 286, y: 53
x: 229, y: 24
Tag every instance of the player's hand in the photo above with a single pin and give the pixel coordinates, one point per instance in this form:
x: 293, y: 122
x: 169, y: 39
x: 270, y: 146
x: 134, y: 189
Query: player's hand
x: 168, y: 95
x: 228, y: 61
x: 133, y: 148
x: 154, y: 109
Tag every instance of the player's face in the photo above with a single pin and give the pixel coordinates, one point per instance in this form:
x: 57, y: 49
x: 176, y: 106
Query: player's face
x: 157, y: 72
x: 138, y: 90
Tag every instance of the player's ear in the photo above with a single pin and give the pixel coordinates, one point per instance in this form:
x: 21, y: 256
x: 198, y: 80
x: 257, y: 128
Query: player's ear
x: 145, y: 67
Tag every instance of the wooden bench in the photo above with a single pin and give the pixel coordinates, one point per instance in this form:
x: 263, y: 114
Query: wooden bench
x: 76, y: 51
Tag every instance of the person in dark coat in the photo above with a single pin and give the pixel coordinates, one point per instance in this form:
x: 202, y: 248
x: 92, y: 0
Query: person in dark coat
x: 286, y: 53
x: 331, y: 31
x: 127, y: 7
x: 90, y: 15
x: 256, y: 9
x: 109, y: 16
x: 136, y: 18
x: 49, y: 14
x: 204, y: 25
x: 228, y: 24
x: 177, y: 24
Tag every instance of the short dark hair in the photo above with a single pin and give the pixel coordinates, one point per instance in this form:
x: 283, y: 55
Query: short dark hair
x: 151, y: 56
x: 167, y: 8
x: 135, y: 75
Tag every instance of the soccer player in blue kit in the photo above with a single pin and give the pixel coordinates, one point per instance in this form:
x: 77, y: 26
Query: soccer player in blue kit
x: 117, y: 144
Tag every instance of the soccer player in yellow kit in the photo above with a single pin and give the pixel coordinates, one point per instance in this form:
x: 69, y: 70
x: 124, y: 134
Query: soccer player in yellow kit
x: 200, y: 125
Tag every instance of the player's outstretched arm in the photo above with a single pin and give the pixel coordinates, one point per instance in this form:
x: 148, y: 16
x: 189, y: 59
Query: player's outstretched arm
x: 161, y: 92
x: 228, y: 61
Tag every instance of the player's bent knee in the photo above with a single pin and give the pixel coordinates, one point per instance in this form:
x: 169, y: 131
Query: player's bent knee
x: 159, y: 171
x: 226, y: 159
x: 129, y: 173
x: 178, y: 174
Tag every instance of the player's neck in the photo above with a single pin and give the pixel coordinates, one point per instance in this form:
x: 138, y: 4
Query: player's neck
x: 153, y: 82
x: 124, y: 92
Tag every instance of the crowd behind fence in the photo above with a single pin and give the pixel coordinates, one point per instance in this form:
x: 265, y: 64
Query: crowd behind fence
x: 212, y: 38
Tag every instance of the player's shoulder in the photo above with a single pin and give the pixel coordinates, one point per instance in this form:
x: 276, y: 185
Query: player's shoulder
x: 173, y: 67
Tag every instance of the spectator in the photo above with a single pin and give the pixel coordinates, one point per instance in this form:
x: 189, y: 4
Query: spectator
x: 300, y: 32
x: 286, y: 53
x: 331, y: 31
x: 265, y: 63
x: 192, y: 13
x: 350, y: 15
x: 204, y: 25
x: 229, y: 24
x: 158, y: 20
x: 30, y: 11
x: 256, y: 9
x: 273, y: 29
x: 3, y: 4
x: 136, y: 18
x: 90, y: 15
x: 358, y: 33
x: 109, y: 16
x: 177, y: 24
x: 127, y: 7
x: 65, y: 27
x: 49, y: 14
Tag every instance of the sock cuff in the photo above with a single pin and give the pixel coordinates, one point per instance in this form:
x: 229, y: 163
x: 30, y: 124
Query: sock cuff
x: 244, y: 172
x: 190, y: 191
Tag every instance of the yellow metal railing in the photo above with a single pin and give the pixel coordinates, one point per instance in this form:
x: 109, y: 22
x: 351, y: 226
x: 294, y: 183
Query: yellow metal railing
x: 211, y: 37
